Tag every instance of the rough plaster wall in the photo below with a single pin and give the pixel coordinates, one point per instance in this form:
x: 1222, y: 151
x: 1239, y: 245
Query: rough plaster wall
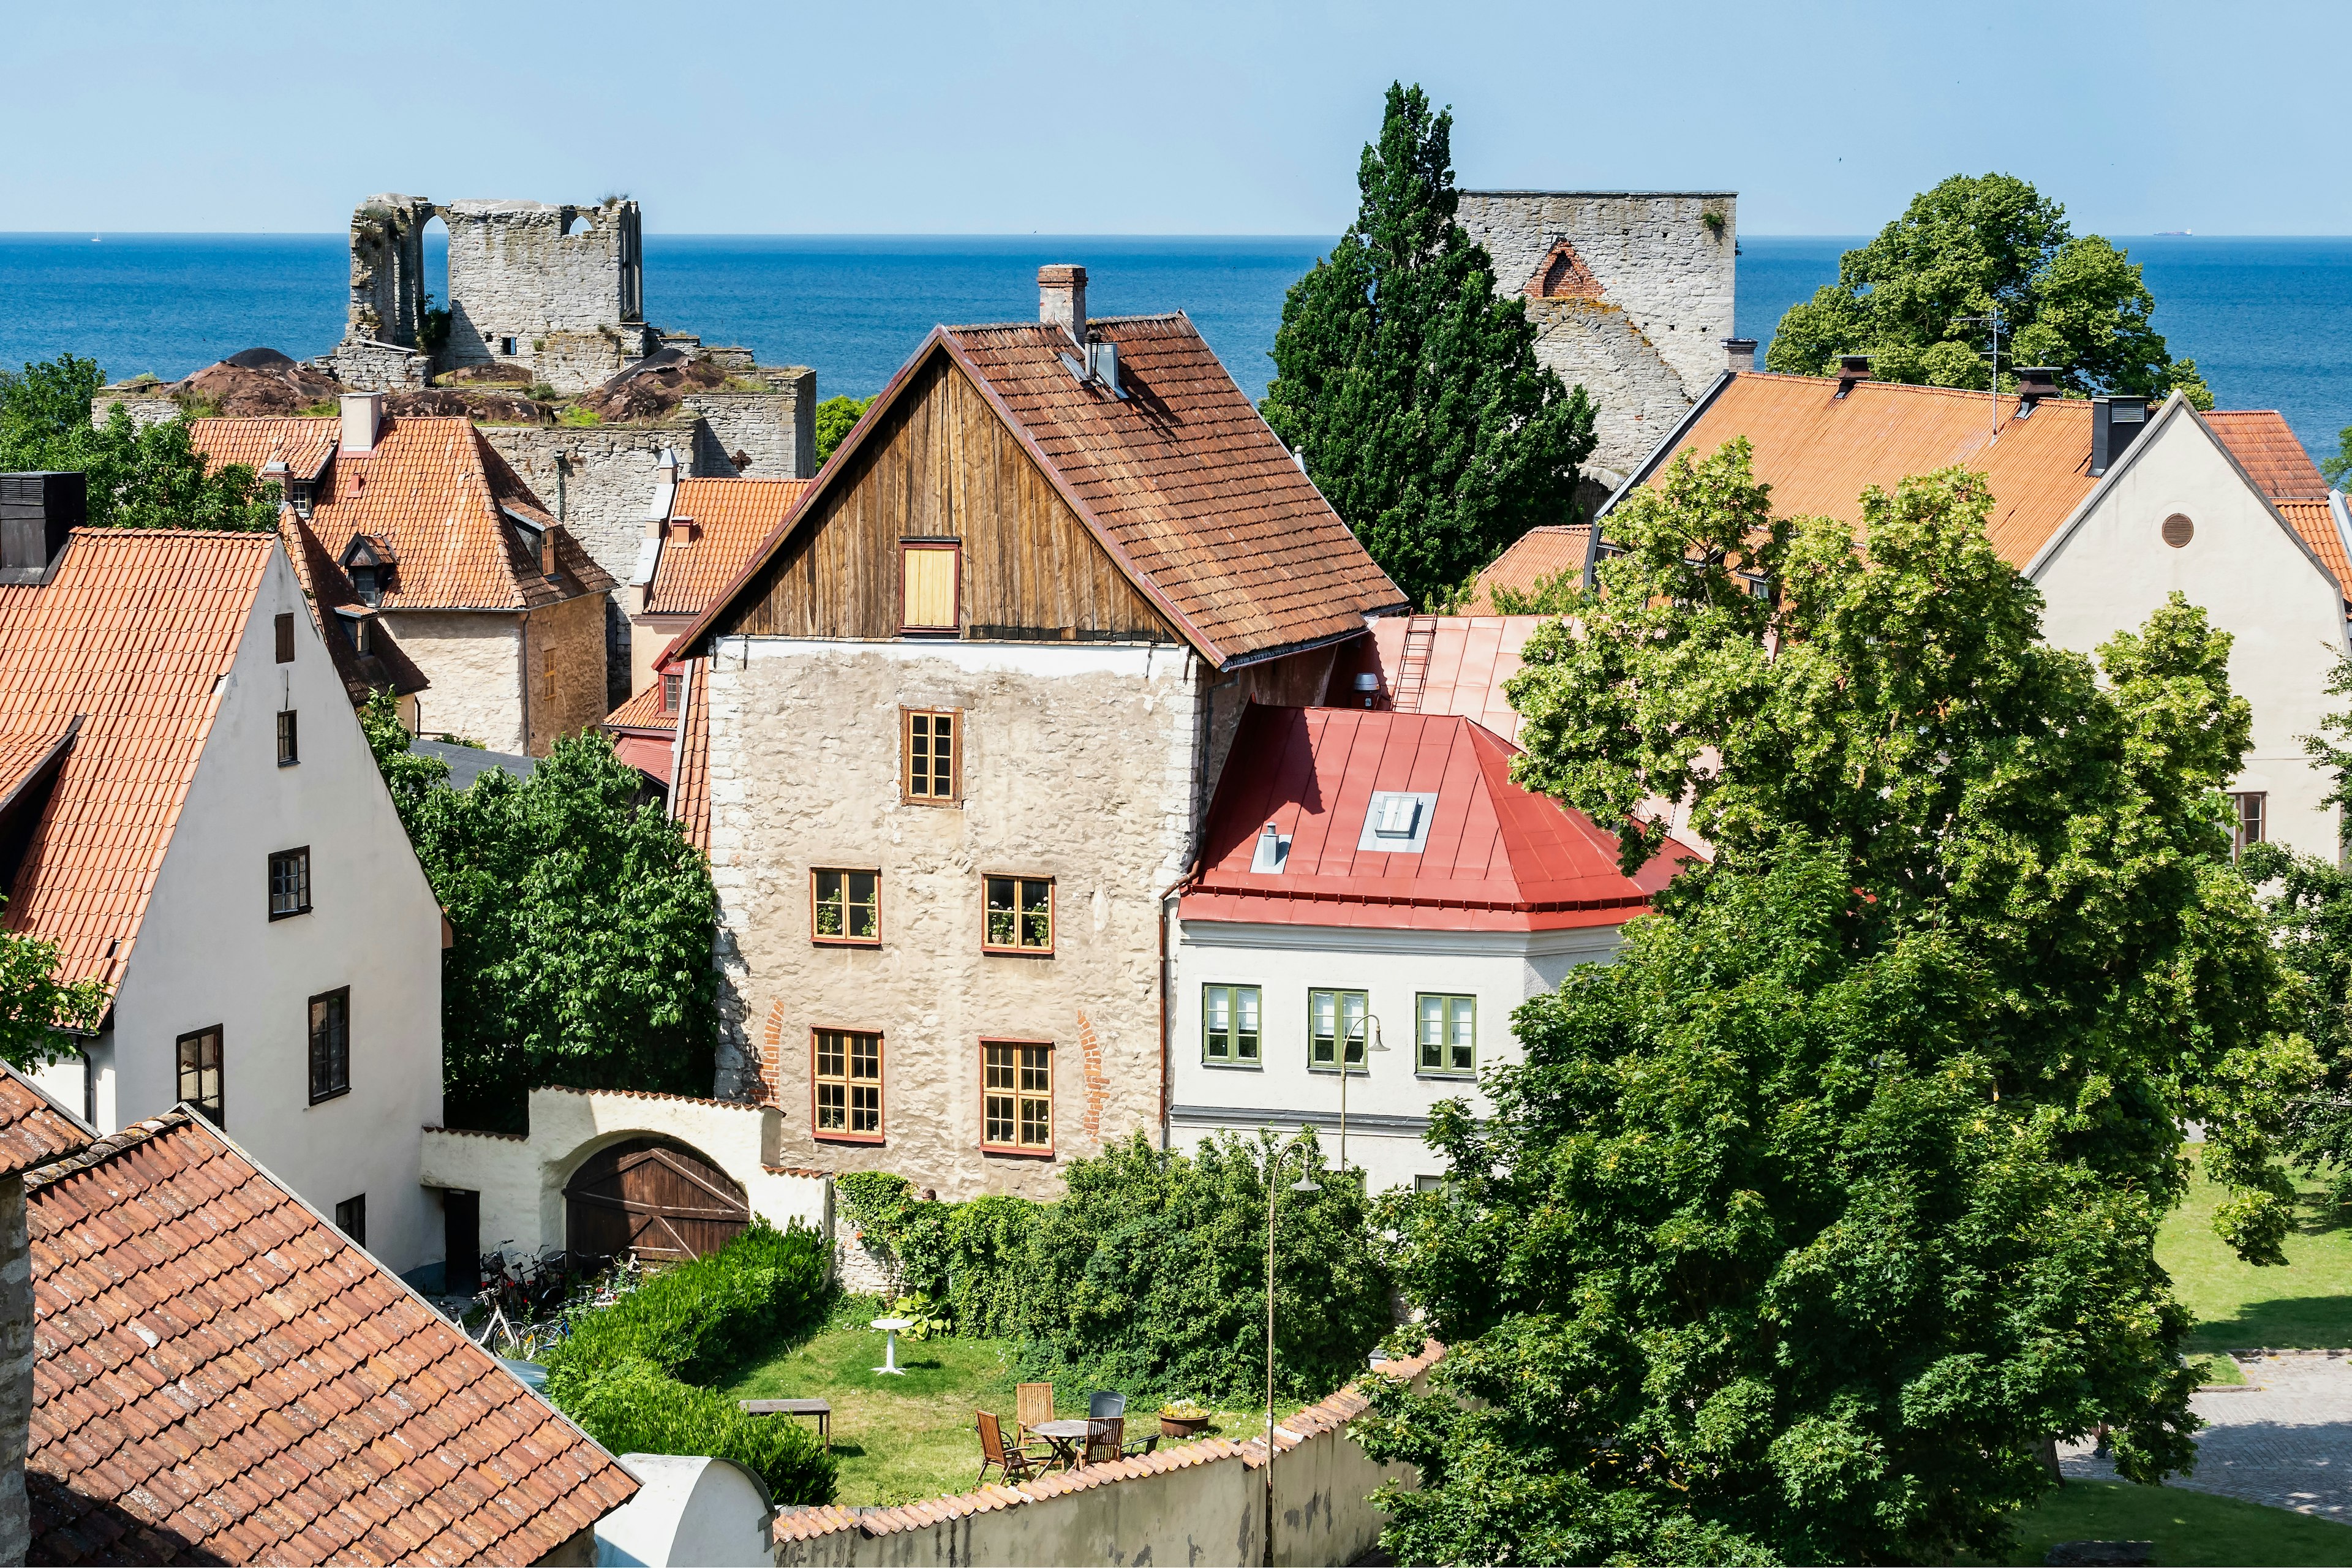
x: 574, y: 632
x: 15, y: 1369
x: 1636, y: 395
x: 1078, y: 765
x: 777, y: 429
x: 474, y: 663
x: 513, y: 272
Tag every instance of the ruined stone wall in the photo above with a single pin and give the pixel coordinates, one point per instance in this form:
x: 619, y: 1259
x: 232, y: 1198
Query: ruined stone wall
x: 776, y: 429
x: 387, y: 304
x: 364, y: 365
x: 475, y: 663
x: 1666, y: 271
x: 516, y: 275
x: 1078, y: 765
x: 565, y: 655
x: 145, y: 405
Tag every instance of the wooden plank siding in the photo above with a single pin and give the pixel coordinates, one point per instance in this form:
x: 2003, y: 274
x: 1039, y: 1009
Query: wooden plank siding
x: 943, y: 465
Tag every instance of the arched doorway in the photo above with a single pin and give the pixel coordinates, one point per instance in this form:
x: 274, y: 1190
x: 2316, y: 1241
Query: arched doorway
x: 656, y: 1194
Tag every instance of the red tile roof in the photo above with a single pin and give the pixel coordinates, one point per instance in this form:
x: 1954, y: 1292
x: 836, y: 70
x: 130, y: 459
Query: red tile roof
x: 304, y: 444
x: 642, y: 712
x: 1495, y: 856
x: 132, y: 633
x: 643, y: 735
x: 446, y: 501
x: 2259, y: 438
x: 33, y: 1130
x: 689, y: 796
x: 223, y: 1377
x: 328, y: 589
x: 2313, y: 522
x: 1539, y: 555
x: 1182, y: 481
x: 731, y: 519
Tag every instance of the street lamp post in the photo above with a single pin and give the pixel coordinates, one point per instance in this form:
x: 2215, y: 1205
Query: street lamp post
x: 1305, y: 1183
x: 1373, y: 1043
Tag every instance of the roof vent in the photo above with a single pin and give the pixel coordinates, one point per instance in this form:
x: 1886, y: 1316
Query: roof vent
x: 2116, y: 422
x: 1739, y: 353
x: 1272, y: 850
x: 2034, y: 382
x: 1099, y: 368
x: 1062, y: 299
x: 1851, y: 369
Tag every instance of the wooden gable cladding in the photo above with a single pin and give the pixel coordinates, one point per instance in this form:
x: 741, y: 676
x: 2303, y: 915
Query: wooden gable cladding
x: 943, y: 465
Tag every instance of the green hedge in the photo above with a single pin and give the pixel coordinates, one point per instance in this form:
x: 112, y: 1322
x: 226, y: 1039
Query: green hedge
x: 629, y: 1373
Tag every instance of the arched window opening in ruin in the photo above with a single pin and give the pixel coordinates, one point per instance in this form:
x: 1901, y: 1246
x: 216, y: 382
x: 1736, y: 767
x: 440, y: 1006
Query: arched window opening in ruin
x: 574, y: 223
x: 432, y: 332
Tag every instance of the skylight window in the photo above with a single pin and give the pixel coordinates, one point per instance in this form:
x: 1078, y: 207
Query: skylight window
x: 1397, y: 821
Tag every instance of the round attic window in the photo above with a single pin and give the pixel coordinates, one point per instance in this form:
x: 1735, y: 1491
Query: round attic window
x: 2177, y: 530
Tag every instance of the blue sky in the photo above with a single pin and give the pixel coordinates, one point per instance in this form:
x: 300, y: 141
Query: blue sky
x: 1158, y: 119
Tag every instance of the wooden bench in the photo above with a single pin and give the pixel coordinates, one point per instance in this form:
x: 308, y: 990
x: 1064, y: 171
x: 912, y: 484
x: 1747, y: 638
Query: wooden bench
x: 816, y: 1407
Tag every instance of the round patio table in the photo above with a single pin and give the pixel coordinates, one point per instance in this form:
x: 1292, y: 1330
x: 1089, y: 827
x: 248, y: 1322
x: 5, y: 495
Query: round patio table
x: 1069, y: 1439
x: 891, y: 1326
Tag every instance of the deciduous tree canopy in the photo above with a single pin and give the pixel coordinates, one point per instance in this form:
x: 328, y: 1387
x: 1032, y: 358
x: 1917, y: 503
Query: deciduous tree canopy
x: 149, y: 478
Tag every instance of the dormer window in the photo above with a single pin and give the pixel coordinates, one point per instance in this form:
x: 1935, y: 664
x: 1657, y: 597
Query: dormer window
x: 368, y: 562
x: 365, y: 584
x: 672, y: 685
x: 537, y: 538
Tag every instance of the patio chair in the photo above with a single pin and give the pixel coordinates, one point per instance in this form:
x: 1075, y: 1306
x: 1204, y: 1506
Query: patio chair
x: 1034, y: 1404
x: 1105, y: 1437
x: 1103, y: 1405
x: 1015, y: 1463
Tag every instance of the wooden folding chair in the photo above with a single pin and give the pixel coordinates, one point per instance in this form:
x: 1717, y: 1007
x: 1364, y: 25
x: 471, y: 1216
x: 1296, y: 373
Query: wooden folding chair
x: 1033, y: 1405
x: 1105, y: 1438
x: 1013, y: 1462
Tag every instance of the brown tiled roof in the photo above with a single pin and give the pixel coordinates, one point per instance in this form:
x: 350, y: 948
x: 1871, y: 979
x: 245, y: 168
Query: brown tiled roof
x: 1182, y: 481
x: 1542, y: 553
x: 132, y: 633
x: 642, y: 712
x: 328, y: 589
x: 441, y: 495
x: 33, y: 1130
x: 689, y: 795
x: 223, y: 1377
x: 1326, y: 1416
x: 2259, y: 438
x: 732, y: 518
x: 304, y: 445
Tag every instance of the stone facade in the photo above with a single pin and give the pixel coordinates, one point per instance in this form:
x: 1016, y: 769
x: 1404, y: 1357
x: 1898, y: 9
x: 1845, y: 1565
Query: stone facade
x: 520, y: 271
x: 776, y: 429
x: 15, y: 1369
x: 806, y: 768
x: 490, y: 672
x: 564, y: 651
x: 1633, y: 294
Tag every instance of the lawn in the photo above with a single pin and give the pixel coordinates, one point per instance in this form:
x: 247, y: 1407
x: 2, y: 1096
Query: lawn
x: 2187, y: 1527
x: 900, y: 1439
x: 2307, y: 1305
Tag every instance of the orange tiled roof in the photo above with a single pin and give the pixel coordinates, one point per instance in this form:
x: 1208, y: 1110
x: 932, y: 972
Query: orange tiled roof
x: 328, y: 589
x: 223, y: 1377
x: 691, y: 791
x: 1182, y: 481
x: 2315, y: 523
x: 1540, y: 552
x: 33, y: 1131
x: 445, y: 500
x: 2259, y: 438
x: 732, y: 518
x: 642, y: 712
x: 131, y: 634
x: 304, y: 444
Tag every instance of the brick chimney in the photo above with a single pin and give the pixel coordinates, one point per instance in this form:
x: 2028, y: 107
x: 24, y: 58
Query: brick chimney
x: 1062, y: 299
x: 36, y: 512
x: 1851, y: 369
x: 362, y: 419
x: 1739, y: 353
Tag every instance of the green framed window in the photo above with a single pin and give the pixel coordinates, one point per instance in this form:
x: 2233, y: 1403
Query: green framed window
x: 1448, y: 1033
x: 1333, y: 1016
x: 1229, y: 1023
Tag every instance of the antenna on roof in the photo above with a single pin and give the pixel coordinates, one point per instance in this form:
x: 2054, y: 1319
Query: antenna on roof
x: 1990, y: 321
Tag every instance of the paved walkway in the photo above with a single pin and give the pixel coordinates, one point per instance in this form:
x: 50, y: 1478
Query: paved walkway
x: 2285, y: 1440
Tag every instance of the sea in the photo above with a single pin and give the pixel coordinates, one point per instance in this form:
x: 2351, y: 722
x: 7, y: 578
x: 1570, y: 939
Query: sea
x: 2268, y: 321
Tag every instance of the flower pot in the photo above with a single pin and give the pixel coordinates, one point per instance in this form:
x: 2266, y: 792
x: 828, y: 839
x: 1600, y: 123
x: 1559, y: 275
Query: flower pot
x: 1183, y: 1425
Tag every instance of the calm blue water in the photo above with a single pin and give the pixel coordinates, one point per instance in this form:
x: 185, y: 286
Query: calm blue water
x: 2269, y: 322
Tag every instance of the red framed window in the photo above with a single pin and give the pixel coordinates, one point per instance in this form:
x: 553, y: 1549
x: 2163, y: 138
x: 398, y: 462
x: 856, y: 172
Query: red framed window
x: 1016, y: 1095
x: 845, y: 1086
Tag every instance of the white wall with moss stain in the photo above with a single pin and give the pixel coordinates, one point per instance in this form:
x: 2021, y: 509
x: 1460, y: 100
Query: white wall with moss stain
x: 1079, y: 765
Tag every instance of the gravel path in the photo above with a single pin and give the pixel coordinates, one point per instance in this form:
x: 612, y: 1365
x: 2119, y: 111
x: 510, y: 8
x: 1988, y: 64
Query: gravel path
x: 2285, y: 1440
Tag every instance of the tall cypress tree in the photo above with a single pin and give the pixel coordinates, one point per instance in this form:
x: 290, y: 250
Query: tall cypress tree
x: 1411, y: 387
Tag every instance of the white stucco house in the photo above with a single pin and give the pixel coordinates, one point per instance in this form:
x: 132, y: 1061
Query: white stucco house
x: 189, y: 811
x: 1372, y: 881
x: 2107, y: 506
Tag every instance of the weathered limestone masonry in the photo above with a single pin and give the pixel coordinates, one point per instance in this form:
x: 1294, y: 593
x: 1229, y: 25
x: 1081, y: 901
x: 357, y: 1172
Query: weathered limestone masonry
x: 1631, y: 292
x: 567, y: 664
x: 560, y: 289
x: 470, y: 659
x: 776, y: 428
x: 1079, y: 764
x: 379, y: 351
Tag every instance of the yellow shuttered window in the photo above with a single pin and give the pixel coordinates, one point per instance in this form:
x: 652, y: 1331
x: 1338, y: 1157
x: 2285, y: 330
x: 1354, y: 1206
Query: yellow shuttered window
x: 928, y: 578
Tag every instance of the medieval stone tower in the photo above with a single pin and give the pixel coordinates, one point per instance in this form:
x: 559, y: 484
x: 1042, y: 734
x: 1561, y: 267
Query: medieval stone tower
x: 1632, y: 295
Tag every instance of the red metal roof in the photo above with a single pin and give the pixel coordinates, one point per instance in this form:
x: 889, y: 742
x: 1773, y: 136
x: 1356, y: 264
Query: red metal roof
x: 1496, y: 857
x: 1467, y: 660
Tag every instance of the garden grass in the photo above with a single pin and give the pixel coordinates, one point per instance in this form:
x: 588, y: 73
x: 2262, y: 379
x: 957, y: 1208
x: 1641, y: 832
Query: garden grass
x: 2188, y: 1528
x: 2306, y: 1305
x: 901, y: 1439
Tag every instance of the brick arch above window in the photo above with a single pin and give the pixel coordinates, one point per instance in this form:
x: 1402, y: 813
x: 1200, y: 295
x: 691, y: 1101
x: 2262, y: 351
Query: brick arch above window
x: 1564, y: 275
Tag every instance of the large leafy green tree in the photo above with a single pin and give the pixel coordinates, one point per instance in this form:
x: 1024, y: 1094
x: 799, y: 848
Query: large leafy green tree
x: 2075, y: 303
x: 584, y: 923
x: 139, y: 478
x: 1769, y: 1228
x: 1410, y: 387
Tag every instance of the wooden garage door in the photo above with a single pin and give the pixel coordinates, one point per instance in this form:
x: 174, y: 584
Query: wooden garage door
x: 658, y: 1196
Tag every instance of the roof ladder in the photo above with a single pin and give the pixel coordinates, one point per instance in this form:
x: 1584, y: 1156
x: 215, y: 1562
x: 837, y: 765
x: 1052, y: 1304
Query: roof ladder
x: 1413, y: 668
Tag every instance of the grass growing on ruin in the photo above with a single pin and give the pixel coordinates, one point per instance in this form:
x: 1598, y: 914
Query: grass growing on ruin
x: 2306, y: 1305
x: 901, y: 1439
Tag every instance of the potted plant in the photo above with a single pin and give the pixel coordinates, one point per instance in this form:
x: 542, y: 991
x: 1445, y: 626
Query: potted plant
x: 1182, y: 1418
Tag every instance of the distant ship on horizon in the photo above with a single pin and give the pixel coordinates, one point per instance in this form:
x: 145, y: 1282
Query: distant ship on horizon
x: 2174, y: 232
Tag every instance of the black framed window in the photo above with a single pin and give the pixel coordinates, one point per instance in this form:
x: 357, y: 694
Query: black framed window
x: 289, y: 747
x: 330, y: 1044
x: 289, y: 883
x: 200, y: 1072
x: 351, y: 1218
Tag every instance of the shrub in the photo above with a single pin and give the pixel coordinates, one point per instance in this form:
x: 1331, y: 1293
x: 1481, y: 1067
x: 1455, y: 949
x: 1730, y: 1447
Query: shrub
x: 626, y: 1372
